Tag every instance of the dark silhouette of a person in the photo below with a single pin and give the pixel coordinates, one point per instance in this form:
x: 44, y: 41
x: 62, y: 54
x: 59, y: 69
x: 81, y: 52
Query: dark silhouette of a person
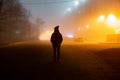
x: 56, y: 40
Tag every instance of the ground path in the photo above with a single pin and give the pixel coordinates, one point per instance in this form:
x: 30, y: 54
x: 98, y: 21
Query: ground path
x: 79, y: 61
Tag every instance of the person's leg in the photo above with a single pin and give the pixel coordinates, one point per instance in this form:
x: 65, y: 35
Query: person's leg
x: 58, y: 53
x: 54, y: 54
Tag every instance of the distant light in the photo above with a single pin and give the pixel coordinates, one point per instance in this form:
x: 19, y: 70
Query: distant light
x: 87, y: 26
x: 70, y: 36
x: 69, y: 9
x: 76, y: 3
x: 101, y: 18
x: 117, y: 31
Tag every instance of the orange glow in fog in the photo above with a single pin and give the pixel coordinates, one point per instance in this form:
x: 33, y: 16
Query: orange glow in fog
x: 45, y: 35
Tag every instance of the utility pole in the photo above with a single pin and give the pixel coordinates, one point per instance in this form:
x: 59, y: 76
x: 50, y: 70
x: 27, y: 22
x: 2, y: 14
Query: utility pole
x: 1, y: 5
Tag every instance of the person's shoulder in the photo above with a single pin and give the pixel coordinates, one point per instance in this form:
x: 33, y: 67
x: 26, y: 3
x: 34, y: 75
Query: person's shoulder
x: 53, y: 33
x: 60, y: 33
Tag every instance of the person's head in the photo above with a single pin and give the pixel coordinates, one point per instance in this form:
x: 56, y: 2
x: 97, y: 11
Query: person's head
x: 56, y: 29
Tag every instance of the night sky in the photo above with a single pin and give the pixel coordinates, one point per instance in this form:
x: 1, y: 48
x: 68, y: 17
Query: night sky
x: 51, y: 11
x: 74, y: 14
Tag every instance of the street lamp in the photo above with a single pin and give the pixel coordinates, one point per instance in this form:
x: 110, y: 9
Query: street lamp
x: 101, y: 18
x: 112, y: 21
x: 76, y: 3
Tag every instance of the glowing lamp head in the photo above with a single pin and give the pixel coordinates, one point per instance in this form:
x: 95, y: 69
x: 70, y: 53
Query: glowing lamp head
x: 101, y: 18
x: 111, y: 20
x: 87, y: 26
x: 70, y: 36
x: 76, y: 3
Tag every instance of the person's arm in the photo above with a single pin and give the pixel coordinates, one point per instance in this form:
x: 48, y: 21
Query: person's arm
x: 61, y: 38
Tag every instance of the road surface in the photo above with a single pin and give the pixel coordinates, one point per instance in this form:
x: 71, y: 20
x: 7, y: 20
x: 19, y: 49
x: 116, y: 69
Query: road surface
x: 79, y: 61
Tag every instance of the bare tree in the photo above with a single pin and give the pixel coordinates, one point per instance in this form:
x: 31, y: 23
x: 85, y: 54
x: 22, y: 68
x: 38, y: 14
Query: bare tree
x: 14, y: 20
x: 38, y: 25
x: 37, y: 28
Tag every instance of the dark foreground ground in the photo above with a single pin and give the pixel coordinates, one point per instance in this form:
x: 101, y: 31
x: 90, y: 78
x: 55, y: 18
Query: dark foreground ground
x: 83, y: 61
